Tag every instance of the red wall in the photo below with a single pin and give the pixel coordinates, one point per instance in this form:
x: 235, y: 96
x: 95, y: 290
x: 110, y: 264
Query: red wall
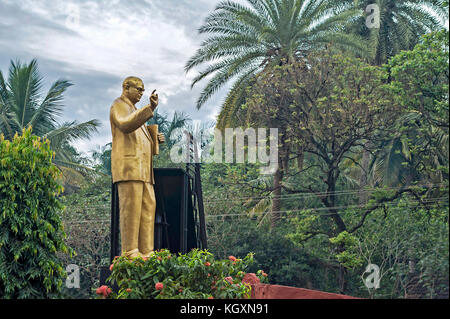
x: 264, y: 291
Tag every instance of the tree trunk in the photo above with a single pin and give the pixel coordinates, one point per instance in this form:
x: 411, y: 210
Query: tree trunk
x: 342, y: 281
x: 363, y: 180
x: 276, y: 202
x: 282, y: 167
x: 340, y: 224
x: 300, y: 159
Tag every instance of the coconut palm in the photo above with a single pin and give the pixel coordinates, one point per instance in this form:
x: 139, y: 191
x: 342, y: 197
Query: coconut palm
x: 244, y: 39
x: 23, y: 104
x: 401, y: 24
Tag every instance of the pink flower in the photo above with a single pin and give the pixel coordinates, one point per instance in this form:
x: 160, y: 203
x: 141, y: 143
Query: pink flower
x: 210, y: 297
x: 159, y: 286
x: 232, y: 258
x: 229, y: 279
x: 207, y: 264
x: 99, y: 290
x: 111, y: 267
x: 103, y: 290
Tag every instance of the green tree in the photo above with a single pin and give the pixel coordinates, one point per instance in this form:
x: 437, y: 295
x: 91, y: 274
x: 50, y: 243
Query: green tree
x: 401, y: 25
x: 333, y: 104
x: 419, y: 149
x: 23, y: 104
x: 31, y: 230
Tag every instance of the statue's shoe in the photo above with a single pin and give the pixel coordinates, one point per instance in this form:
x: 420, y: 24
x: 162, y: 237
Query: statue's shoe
x: 132, y: 253
x: 148, y: 255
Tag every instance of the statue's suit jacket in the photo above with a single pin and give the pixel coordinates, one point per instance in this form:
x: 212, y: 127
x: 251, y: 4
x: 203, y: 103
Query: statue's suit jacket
x: 133, y: 143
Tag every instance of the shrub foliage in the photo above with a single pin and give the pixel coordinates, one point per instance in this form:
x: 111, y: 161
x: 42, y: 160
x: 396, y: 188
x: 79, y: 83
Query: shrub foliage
x: 195, y: 275
x: 31, y: 230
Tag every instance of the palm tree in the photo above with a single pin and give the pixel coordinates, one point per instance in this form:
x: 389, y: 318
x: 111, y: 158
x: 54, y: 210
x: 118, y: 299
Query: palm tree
x: 167, y: 127
x: 246, y: 39
x: 402, y: 23
x: 23, y: 104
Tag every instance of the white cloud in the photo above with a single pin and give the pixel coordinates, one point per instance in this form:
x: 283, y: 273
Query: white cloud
x: 90, y: 40
x: 108, y: 41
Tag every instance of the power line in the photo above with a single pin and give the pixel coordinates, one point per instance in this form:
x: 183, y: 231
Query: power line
x: 380, y: 205
x: 437, y: 200
x: 85, y: 221
x: 286, y: 196
x: 317, y: 194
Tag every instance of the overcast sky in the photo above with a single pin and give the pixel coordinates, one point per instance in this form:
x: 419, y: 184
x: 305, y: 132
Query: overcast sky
x: 96, y: 44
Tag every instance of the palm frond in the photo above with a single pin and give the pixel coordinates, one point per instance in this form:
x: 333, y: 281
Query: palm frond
x: 260, y: 207
x: 44, y: 117
x: 24, y: 85
x: 402, y: 22
x: 238, y: 65
x: 70, y: 131
x: 74, y: 169
x: 234, y: 100
x: 265, y: 32
x: 6, y: 115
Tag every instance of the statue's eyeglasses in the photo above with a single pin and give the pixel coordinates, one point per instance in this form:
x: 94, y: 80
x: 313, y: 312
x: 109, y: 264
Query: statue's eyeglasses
x: 140, y: 89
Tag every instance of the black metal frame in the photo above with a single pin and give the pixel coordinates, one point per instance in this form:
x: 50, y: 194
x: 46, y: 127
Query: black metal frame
x: 161, y: 225
x: 193, y: 172
x: 115, y: 220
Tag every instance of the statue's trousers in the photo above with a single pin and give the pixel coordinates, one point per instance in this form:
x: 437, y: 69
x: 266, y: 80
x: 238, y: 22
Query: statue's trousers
x: 137, y: 217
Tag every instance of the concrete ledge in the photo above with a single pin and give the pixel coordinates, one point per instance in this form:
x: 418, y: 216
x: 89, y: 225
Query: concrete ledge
x: 265, y: 291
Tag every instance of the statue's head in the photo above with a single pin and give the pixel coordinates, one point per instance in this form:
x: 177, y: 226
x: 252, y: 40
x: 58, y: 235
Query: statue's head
x: 133, y: 88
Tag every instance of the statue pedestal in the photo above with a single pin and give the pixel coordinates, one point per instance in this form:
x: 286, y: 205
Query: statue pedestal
x: 104, y: 274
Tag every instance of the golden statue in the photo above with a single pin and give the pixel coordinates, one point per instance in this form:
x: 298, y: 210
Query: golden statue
x: 133, y: 147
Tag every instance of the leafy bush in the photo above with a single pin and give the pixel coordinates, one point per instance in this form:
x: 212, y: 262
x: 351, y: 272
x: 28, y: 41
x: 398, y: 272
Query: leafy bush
x: 31, y: 231
x: 287, y: 264
x: 195, y: 275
